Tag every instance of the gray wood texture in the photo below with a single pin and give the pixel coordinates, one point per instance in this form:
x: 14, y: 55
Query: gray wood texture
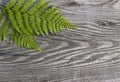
x: 89, y: 54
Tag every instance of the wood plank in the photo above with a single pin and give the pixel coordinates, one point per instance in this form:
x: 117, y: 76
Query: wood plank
x: 89, y: 54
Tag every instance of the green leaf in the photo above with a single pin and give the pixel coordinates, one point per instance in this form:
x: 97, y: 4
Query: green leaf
x: 26, y: 6
x: 19, y: 20
x: 27, y: 23
x: 19, y: 4
x: 33, y: 24
x: 22, y: 20
x: 44, y: 26
x: 42, y: 8
x: 36, y: 6
x: 13, y: 20
x: 10, y: 4
x: 38, y: 25
x: 1, y: 17
x: 4, y: 30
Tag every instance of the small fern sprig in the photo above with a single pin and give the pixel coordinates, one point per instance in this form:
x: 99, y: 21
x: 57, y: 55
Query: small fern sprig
x: 22, y: 20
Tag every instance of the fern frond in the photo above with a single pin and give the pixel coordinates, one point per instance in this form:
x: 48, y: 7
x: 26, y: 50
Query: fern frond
x: 42, y: 8
x: 26, y: 6
x: 4, y: 31
x: 33, y: 24
x: 36, y: 6
x: 27, y: 23
x: 13, y: 20
x: 10, y: 4
x: 49, y: 26
x: 44, y: 26
x: 39, y: 25
x: 47, y: 12
x: 1, y: 16
x: 19, y: 4
x: 25, y: 19
x: 22, y: 40
x: 54, y: 12
x: 20, y: 22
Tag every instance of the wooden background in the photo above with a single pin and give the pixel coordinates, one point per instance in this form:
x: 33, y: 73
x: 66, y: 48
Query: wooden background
x: 89, y: 54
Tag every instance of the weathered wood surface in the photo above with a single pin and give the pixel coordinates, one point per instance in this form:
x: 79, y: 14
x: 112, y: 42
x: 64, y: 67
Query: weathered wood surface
x: 89, y: 54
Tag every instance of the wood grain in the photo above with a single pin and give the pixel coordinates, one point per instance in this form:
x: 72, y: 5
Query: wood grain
x: 89, y: 54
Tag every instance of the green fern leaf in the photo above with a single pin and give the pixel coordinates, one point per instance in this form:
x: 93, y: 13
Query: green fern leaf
x: 13, y: 21
x: 47, y: 12
x: 1, y: 16
x: 27, y: 23
x: 19, y: 4
x: 36, y: 6
x: 22, y: 40
x: 49, y: 26
x: 10, y: 4
x: 39, y: 25
x: 24, y: 19
x: 33, y: 24
x: 19, y: 20
x: 26, y: 6
x: 53, y: 11
x: 4, y: 30
x: 42, y: 8
x: 44, y: 26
